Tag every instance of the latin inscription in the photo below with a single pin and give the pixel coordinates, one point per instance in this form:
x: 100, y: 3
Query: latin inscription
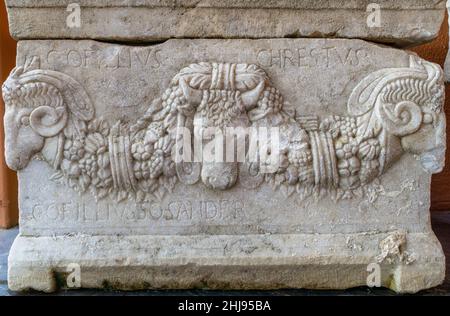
x: 172, y: 211
x: 309, y: 57
x: 114, y: 58
x: 152, y: 58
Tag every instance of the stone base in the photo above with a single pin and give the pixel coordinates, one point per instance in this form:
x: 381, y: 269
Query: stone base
x: 311, y: 261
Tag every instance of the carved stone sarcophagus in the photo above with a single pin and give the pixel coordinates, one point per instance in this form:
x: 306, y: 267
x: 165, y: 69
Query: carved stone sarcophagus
x: 224, y: 164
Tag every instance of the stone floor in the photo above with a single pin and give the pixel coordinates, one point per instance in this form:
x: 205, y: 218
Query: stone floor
x: 441, y: 225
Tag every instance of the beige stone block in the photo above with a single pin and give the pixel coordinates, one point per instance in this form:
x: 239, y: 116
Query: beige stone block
x: 357, y: 130
x: 403, y: 23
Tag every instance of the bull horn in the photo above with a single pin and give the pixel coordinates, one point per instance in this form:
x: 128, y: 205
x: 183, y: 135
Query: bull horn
x: 250, y: 98
x: 193, y: 96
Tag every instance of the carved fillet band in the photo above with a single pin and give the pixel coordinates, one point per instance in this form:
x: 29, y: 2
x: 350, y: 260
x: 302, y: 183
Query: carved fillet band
x: 324, y: 159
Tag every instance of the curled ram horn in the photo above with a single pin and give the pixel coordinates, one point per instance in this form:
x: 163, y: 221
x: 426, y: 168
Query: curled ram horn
x: 48, y: 121
x: 73, y: 93
x: 400, y: 119
x: 398, y: 95
x: 75, y: 98
x: 366, y: 94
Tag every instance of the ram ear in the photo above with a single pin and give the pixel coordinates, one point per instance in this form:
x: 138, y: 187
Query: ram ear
x: 16, y: 72
x: 12, y: 83
x: 48, y: 121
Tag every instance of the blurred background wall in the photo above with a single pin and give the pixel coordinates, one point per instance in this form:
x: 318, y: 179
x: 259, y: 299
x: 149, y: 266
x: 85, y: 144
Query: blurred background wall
x: 8, y: 181
x: 434, y: 51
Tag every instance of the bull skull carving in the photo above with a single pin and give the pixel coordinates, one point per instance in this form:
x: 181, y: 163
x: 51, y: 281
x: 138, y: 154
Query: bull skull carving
x: 219, y: 95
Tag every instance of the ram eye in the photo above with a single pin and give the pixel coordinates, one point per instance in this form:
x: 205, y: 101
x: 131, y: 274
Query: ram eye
x: 427, y: 118
x: 25, y: 120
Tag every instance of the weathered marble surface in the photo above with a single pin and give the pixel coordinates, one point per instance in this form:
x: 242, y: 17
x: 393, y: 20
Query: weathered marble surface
x: 365, y: 130
x: 403, y: 23
x: 311, y: 261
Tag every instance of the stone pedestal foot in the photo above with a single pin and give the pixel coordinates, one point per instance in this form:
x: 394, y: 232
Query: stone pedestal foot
x: 310, y: 261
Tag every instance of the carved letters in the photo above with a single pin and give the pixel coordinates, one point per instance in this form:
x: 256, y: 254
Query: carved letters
x: 50, y: 114
x: 308, y: 57
x: 174, y: 210
x: 119, y: 58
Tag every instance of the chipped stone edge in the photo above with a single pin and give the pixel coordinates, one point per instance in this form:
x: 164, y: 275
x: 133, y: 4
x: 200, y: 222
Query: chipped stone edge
x: 310, y: 261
